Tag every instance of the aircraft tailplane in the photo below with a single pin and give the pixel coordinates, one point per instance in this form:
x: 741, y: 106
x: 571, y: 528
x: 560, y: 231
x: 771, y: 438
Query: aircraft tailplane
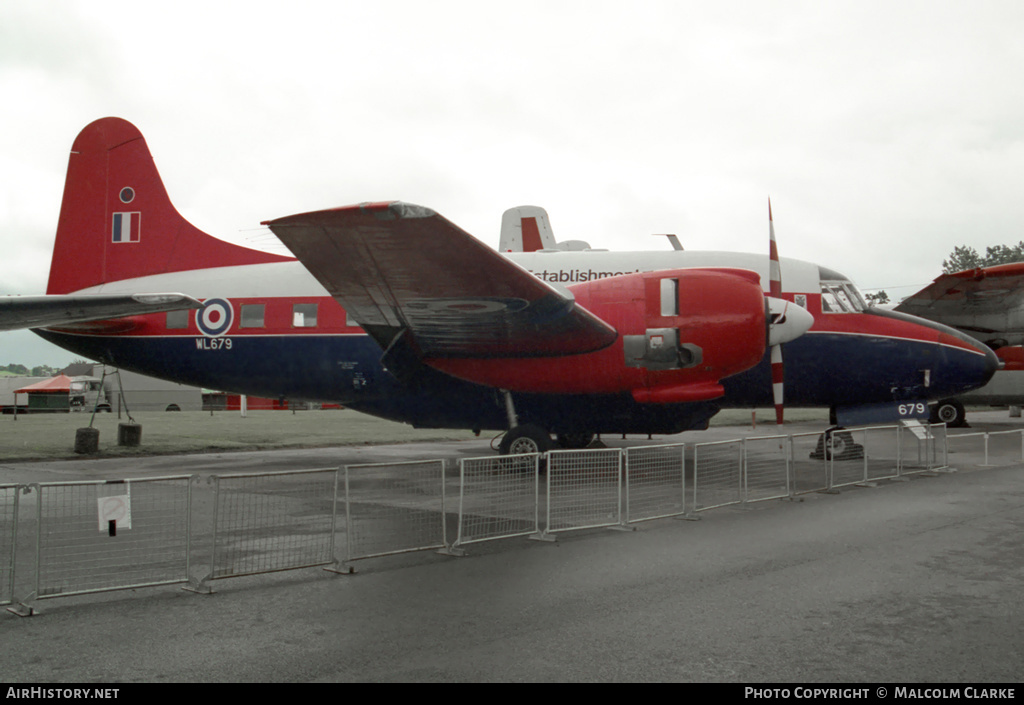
x: 117, y: 222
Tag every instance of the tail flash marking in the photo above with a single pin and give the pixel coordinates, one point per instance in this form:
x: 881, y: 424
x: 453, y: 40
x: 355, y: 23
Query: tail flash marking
x: 127, y: 227
x: 531, y: 235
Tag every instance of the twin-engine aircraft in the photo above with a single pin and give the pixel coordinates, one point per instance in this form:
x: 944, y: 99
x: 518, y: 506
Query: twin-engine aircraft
x: 392, y: 310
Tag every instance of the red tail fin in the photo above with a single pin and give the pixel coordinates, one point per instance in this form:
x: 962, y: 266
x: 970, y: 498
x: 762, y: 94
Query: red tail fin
x: 117, y: 222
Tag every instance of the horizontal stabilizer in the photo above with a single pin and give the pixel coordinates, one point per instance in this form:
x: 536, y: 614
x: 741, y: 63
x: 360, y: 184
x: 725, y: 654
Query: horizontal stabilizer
x: 45, y: 311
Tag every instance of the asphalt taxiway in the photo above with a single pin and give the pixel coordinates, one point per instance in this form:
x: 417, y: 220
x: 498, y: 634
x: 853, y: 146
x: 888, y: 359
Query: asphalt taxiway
x: 916, y: 581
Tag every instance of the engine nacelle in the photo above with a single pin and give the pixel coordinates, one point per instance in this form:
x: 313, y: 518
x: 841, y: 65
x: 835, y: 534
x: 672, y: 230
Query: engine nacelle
x: 680, y: 333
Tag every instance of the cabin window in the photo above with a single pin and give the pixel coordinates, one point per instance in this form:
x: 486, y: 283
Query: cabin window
x: 177, y: 320
x: 669, y: 297
x: 252, y: 316
x: 304, y: 316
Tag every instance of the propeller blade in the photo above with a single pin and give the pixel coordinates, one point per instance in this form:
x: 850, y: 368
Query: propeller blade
x: 775, y: 289
x: 775, y: 271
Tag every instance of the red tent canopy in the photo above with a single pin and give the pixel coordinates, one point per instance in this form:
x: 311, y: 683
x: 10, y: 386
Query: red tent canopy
x: 60, y: 383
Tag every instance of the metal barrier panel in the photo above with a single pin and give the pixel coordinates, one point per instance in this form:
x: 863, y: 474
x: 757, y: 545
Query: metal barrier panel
x: 766, y: 463
x: 498, y: 497
x: 881, y: 452
x: 940, y: 446
x: 717, y: 474
x: 655, y: 482
x: 8, y: 541
x: 808, y: 463
x: 846, y: 457
x: 273, y: 521
x: 97, y: 536
x: 394, y: 508
x: 584, y: 489
x: 864, y: 454
x: 922, y: 448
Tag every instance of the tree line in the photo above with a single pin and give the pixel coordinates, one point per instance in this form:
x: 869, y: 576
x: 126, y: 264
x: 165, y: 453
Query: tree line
x: 968, y: 258
x: 37, y: 371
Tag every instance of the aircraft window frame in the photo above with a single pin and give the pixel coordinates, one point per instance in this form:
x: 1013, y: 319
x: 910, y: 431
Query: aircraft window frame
x: 304, y: 315
x: 252, y: 316
x: 669, y: 297
x: 841, y: 297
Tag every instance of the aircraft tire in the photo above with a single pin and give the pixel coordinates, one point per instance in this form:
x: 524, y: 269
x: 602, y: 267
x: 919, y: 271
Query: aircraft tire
x: 526, y: 438
x: 949, y: 412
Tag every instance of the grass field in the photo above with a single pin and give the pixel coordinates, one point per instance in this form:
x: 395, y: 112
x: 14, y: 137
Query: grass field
x: 52, y: 436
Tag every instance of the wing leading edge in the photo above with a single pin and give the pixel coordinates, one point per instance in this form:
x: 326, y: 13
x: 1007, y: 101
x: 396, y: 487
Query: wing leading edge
x: 987, y: 300
x: 399, y: 268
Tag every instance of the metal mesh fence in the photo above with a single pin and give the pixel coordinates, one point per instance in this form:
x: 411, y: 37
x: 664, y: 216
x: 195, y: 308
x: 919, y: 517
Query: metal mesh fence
x: 273, y: 521
x: 394, y: 508
x: 767, y: 468
x: 717, y: 474
x: 922, y: 447
x: 498, y: 497
x: 584, y: 489
x: 881, y: 452
x: 655, y: 482
x: 845, y: 452
x: 8, y: 541
x: 95, y: 536
x: 809, y: 467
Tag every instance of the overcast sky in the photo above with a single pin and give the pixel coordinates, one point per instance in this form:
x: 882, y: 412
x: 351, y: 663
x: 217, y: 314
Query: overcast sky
x: 885, y: 133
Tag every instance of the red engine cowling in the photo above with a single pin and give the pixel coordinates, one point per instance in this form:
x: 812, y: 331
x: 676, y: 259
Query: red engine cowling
x: 680, y: 333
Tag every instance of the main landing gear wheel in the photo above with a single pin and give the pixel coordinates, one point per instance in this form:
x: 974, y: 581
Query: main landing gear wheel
x: 949, y: 412
x: 526, y: 438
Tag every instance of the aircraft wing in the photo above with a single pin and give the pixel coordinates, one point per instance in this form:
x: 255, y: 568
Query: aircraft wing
x: 401, y: 269
x: 982, y: 300
x: 44, y: 311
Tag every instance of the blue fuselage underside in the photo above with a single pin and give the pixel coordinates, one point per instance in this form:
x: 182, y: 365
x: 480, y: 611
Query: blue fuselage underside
x: 822, y: 369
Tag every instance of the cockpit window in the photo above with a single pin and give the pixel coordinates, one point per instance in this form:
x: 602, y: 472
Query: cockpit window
x: 841, y: 297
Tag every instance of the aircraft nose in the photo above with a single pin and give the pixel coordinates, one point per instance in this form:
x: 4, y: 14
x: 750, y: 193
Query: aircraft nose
x: 985, y: 367
x: 787, y: 321
x: 969, y: 364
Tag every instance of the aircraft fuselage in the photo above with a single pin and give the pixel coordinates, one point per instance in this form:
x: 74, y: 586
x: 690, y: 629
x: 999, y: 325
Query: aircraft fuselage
x: 271, y: 330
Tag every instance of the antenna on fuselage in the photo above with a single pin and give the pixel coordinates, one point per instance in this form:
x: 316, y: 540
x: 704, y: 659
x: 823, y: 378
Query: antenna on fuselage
x: 676, y: 245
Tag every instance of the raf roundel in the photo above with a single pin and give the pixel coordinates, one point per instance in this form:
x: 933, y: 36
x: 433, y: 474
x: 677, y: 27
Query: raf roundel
x: 214, y: 318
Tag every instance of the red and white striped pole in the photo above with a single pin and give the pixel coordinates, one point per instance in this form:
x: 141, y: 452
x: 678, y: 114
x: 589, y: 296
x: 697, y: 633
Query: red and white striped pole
x: 775, y: 290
